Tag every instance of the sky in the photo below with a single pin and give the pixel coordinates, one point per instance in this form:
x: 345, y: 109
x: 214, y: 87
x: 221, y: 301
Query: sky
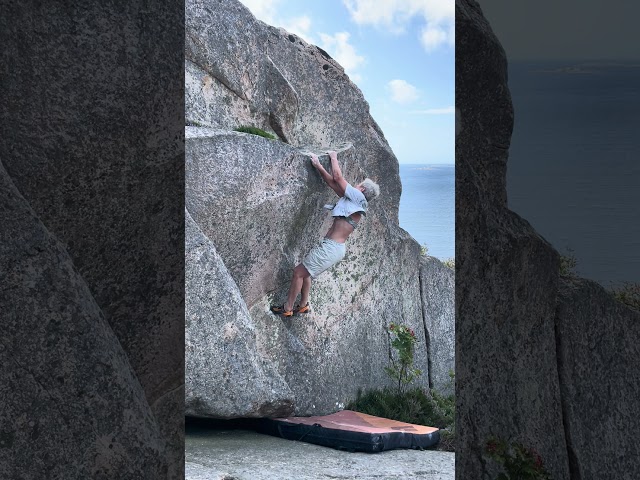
x: 566, y: 30
x: 400, y: 53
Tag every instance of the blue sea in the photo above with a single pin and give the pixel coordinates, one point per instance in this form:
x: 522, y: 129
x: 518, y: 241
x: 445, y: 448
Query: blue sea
x: 574, y: 162
x: 427, y: 206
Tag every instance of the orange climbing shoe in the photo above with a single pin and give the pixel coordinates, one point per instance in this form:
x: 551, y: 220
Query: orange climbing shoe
x: 305, y: 309
x: 279, y: 310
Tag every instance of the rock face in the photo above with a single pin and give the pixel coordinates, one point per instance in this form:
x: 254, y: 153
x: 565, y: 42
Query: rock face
x: 240, y: 71
x: 506, y: 354
x: 224, y: 371
x: 598, y: 355
x: 259, y: 202
x: 61, y: 360
x: 89, y: 94
x: 507, y: 375
x: 538, y: 361
x: 437, y: 290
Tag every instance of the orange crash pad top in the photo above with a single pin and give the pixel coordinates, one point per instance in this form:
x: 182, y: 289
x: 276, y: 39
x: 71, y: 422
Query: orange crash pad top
x: 360, y: 422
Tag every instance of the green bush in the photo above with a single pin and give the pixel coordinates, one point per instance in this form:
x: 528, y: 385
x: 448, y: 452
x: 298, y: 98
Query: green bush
x: 255, y: 131
x: 516, y: 461
x: 424, y: 250
x: 418, y: 406
x: 450, y: 262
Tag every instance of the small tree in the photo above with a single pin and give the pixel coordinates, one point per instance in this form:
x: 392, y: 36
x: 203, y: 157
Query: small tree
x: 401, y: 368
x: 568, y: 264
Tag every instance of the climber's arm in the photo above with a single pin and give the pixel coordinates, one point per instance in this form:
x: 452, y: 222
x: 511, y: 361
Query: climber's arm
x: 340, y: 182
x: 326, y: 176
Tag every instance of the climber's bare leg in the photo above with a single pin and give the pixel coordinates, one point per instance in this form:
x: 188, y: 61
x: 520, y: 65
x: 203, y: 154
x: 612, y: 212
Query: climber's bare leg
x: 304, y: 294
x: 297, y: 281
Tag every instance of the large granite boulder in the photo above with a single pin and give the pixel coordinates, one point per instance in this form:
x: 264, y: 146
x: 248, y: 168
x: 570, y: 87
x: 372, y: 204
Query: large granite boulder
x: 89, y: 95
x: 437, y: 290
x: 260, y: 202
x: 542, y: 360
x: 225, y: 372
x: 72, y: 406
x: 598, y: 359
x: 506, y: 375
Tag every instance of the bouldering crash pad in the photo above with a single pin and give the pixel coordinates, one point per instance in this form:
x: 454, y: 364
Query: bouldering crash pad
x: 352, y: 431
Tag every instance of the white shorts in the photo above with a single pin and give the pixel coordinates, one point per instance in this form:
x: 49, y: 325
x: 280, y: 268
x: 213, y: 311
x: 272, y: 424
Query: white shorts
x: 323, y: 256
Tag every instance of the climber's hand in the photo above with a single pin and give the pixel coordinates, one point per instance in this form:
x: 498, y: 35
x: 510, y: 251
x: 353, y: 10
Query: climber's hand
x: 314, y: 160
x: 332, y: 155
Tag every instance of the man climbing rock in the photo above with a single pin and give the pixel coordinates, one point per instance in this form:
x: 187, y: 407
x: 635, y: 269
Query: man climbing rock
x: 347, y: 213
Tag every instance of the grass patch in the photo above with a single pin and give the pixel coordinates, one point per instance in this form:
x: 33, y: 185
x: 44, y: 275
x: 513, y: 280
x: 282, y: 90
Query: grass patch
x: 418, y: 406
x: 629, y: 294
x: 194, y: 123
x: 255, y: 131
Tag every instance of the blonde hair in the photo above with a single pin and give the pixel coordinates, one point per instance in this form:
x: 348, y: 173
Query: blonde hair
x: 371, y: 189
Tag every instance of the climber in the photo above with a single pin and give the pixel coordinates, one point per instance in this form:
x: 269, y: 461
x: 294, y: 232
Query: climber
x: 347, y: 213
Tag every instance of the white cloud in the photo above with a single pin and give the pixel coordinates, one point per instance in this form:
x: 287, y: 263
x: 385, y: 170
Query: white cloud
x: 402, y: 91
x: 299, y: 26
x: 394, y: 15
x: 434, y: 35
x: 267, y: 11
x: 437, y: 111
x: 338, y: 47
x: 262, y: 9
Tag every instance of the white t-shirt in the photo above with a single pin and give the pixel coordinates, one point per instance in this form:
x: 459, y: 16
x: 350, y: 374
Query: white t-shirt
x: 353, y: 201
